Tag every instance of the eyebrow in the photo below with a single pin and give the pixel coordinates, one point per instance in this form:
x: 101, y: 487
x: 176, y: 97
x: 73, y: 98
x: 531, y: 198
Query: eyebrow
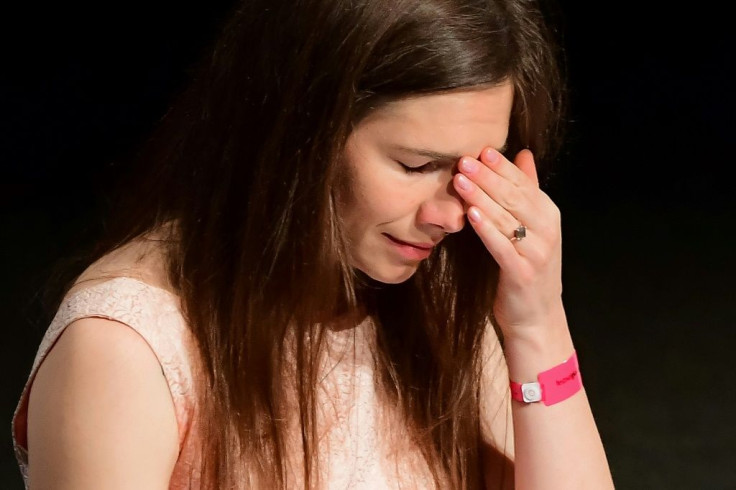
x: 437, y: 156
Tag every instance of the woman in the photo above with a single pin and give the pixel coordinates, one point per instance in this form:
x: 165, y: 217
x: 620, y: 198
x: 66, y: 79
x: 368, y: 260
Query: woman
x: 298, y: 264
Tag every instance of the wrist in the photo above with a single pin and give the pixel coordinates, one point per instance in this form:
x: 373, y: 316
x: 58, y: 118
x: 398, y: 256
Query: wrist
x: 552, y: 386
x: 535, y: 349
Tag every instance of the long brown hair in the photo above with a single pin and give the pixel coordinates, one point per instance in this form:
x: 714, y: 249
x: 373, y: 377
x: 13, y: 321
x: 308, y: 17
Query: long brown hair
x: 246, y: 164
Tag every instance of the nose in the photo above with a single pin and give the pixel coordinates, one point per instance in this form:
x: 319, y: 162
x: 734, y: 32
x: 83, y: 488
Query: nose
x: 443, y: 209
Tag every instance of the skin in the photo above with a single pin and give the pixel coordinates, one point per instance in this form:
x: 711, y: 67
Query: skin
x: 81, y: 436
x: 557, y: 446
x: 423, y: 206
x: 101, y: 417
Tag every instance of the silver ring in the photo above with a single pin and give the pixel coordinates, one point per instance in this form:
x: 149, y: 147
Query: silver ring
x: 519, y: 233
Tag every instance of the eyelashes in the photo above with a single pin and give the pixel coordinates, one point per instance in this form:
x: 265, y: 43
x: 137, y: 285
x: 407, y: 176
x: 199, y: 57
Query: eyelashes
x: 422, y: 169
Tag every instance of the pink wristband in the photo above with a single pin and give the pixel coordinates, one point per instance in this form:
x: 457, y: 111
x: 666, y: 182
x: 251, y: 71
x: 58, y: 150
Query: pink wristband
x: 553, y: 386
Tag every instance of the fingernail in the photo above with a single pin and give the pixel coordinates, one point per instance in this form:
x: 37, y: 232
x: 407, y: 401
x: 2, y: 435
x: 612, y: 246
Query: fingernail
x: 474, y: 215
x: 491, y: 155
x: 463, y: 182
x: 468, y: 165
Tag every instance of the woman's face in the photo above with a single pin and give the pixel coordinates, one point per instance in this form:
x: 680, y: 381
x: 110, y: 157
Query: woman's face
x: 393, y: 215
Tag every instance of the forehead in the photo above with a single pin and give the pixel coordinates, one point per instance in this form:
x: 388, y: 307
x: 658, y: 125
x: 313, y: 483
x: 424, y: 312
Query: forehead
x: 458, y: 122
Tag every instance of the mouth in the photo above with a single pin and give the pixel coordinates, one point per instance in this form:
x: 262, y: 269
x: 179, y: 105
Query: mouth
x: 411, y: 251
x: 420, y: 246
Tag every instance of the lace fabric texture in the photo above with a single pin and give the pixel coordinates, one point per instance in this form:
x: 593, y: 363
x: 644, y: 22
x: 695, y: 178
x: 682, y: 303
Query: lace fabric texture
x: 151, y: 312
x: 363, y: 446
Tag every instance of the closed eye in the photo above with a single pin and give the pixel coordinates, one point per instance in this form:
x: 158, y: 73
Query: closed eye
x: 422, y: 169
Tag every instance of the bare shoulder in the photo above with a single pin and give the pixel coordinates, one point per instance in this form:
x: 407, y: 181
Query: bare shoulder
x: 100, y: 412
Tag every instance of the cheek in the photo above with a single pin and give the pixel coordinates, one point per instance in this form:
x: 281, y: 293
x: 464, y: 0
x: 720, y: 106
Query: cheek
x: 382, y: 198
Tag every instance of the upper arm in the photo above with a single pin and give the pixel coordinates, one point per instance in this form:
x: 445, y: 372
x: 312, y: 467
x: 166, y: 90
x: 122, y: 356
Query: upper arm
x: 100, y: 413
x: 496, y: 424
x: 495, y: 402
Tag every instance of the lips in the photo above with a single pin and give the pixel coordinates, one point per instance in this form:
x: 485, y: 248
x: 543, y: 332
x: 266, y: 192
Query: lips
x: 421, y: 246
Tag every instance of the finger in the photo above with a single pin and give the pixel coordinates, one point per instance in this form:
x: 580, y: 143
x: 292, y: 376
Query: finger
x: 524, y: 161
x: 521, y: 176
x: 520, y: 202
x: 513, y: 256
x: 475, y: 196
x: 501, y: 248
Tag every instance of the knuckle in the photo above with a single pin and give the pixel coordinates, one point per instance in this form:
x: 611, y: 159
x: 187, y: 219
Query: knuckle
x: 512, y: 198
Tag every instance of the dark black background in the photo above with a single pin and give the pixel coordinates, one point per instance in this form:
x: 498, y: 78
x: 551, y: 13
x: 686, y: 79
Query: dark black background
x: 644, y: 186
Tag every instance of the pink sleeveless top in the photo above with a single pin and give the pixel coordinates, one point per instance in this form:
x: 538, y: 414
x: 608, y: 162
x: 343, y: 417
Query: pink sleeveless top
x: 155, y: 315
x: 363, y: 448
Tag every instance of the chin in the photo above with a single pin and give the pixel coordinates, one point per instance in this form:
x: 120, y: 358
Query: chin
x: 390, y: 276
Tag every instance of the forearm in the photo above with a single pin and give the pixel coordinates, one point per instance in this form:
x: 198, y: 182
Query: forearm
x: 557, y: 446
